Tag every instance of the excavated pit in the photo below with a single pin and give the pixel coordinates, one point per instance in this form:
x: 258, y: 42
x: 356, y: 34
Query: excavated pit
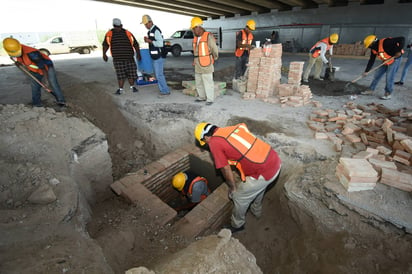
x: 286, y: 239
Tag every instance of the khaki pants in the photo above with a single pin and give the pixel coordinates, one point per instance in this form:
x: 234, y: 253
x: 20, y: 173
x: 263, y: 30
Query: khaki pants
x: 248, y: 193
x: 318, y: 67
x: 205, y: 87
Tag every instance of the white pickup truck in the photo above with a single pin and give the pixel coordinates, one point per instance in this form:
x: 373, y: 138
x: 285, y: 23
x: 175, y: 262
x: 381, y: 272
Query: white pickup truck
x: 70, y: 42
x: 181, y: 41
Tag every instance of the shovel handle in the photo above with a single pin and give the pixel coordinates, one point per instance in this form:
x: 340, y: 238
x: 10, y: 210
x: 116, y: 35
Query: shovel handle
x: 372, y: 70
x: 23, y: 69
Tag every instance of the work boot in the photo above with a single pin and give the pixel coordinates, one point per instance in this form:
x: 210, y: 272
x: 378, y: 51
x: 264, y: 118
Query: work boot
x: 234, y: 229
x: 386, y: 97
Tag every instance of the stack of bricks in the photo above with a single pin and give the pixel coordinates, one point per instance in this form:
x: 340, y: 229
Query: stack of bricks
x: 293, y: 93
x: 383, y: 132
x: 253, y: 73
x: 356, y: 49
x: 190, y: 88
x: 356, y: 174
x: 264, y: 74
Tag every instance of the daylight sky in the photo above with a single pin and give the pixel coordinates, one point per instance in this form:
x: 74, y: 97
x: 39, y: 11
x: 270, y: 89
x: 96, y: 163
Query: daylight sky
x: 75, y: 15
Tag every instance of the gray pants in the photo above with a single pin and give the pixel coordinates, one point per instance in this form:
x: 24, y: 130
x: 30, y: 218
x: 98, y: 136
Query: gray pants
x: 318, y: 67
x: 205, y: 86
x: 251, y: 193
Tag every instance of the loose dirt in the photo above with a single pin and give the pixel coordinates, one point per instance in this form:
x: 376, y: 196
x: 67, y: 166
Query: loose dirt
x: 286, y: 239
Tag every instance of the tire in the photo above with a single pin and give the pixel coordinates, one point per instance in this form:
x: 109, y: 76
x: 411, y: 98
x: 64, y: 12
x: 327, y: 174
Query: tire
x: 84, y: 51
x: 44, y: 51
x: 176, y: 51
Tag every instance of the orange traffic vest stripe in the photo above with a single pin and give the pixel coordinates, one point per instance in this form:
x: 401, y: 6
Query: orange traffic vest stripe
x: 245, y: 40
x: 195, y: 180
x: 203, y: 53
x: 316, y: 52
x: 25, y: 59
x: 241, y: 139
x: 109, y: 36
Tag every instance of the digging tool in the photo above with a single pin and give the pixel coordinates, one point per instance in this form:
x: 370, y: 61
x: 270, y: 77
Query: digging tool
x: 350, y: 87
x: 27, y: 72
x: 330, y: 72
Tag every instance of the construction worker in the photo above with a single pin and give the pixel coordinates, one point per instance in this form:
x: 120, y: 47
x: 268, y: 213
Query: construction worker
x: 389, y: 51
x: 38, y: 66
x: 408, y: 63
x: 244, y: 39
x: 157, y: 52
x: 258, y: 164
x: 193, y: 187
x: 123, y: 47
x: 317, y: 56
x: 205, y: 54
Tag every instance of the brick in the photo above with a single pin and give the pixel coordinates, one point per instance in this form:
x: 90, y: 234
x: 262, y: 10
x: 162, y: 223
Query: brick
x: 379, y: 164
x: 396, y: 179
x: 407, y: 145
x: 358, y: 167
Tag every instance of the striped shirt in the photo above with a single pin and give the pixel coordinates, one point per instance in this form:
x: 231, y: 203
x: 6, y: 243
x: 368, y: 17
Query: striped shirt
x: 121, y: 48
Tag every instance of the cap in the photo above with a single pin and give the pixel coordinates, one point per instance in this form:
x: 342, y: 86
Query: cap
x: 117, y: 22
x: 146, y: 19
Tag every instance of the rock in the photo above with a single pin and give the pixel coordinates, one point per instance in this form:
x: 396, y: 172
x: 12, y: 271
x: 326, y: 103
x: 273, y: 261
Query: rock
x: 42, y: 195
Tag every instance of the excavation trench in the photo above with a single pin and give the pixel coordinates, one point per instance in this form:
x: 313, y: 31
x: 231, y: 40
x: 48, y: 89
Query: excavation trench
x: 313, y: 235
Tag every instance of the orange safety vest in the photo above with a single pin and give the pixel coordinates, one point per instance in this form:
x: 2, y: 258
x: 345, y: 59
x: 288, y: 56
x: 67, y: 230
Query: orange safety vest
x: 190, y: 190
x: 109, y: 36
x: 315, y: 50
x: 381, y: 53
x: 251, y: 147
x: 245, y: 40
x: 204, y: 55
x: 25, y: 59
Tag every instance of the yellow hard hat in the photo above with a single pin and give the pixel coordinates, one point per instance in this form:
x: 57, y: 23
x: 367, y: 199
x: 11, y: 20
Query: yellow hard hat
x: 369, y: 40
x: 334, y: 37
x: 200, y: 131
x: 196, y: 21
x: 12, y: 47
x: 179, y: 181
x: 146, y: 19
x: 251, y: 24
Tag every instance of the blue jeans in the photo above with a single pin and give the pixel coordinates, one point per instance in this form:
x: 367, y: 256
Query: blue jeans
x: 160, y: 77
x: 54, y: 86
x: 406, y: 66
x: 390, y: 76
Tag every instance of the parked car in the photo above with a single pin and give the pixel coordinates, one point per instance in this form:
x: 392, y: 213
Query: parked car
x: 181, y: 41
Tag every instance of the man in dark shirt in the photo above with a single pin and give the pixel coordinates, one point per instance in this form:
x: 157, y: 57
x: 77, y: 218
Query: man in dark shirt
x: 123, y: 47
x: 389, y: 51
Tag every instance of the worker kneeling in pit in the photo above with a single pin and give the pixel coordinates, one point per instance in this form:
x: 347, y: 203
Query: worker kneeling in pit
x: 194, y: 187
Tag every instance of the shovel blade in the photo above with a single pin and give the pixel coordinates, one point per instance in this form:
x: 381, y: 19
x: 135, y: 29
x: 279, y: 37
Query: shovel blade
x: 330, y: 74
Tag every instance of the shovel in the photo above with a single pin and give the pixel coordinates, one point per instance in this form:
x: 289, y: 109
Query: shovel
x: 350, y: 87
x: 27, y: 72
x: 330, y: 72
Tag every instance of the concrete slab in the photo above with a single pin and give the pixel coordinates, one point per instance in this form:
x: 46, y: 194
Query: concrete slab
x: 383, y: 202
